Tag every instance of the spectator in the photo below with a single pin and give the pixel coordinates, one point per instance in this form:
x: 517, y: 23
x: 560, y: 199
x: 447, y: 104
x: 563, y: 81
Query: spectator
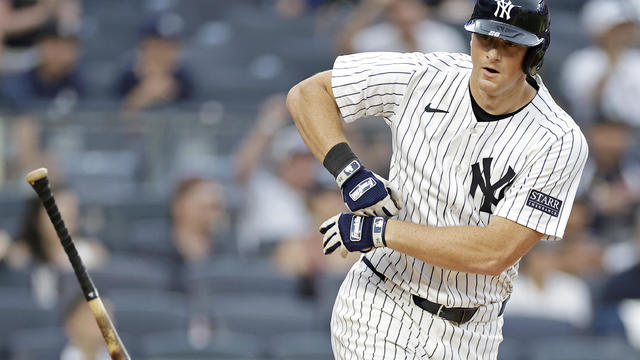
x: 156, y: 76
x: 198, y: 213
x: 293, y: 8
x: 55, y: 76
x: 25, y: 150
x: 601, y: 80
x: 619, y: 287
x: 38, y: 247
x: 625, y: 284
x: 85, y: 341
x: 610, y: 180
x: 295, y: 255
x: 5, y: 245
x: 580, y: 251
x: 25, y: 20
x: 543, y: 290
x: 274, y: 206
x: 406, y: 27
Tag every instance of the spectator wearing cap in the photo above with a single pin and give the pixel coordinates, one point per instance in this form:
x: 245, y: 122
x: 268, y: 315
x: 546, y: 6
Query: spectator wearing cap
x: 156, y: 76
x: 275, y: 186
x: 23, y: 24
x: 601, y: 81
x: 56, y: 74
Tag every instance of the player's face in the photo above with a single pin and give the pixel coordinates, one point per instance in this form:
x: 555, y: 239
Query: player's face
x: 497, y: 64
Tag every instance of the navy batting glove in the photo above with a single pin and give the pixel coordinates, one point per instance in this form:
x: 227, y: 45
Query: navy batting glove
x: 354, y: 232
x: 366, y: 193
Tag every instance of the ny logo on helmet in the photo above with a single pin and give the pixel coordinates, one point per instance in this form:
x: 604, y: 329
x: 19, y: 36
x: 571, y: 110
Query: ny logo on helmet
x: 504, y: 9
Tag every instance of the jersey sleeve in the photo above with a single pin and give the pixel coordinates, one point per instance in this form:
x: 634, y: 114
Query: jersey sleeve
x: 371, y: 84
x: 542, y: 195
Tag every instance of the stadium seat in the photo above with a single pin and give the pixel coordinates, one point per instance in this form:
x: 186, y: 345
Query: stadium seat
x: 137, y: 312
x: 327, y: 286
x: 222, y: 345
x: 314, y: 345
x: 12, y: 206
x: 582, y: 348
x: 14, y: 278
x: 133, y: 272
x: 526, y: 328
x: 18, y: 310
x: 235, y: 275
x: 40, y: 343
x: 123, y: 213
x: 263, y: 315
x: 511, y: 349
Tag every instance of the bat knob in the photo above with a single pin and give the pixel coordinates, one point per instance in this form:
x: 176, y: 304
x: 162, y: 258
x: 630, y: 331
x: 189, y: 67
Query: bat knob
x: 36, y: 175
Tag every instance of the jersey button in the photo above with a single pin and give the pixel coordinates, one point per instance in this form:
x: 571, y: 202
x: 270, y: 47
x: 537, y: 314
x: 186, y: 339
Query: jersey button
x: 474, y: 131
x: 458, y: 169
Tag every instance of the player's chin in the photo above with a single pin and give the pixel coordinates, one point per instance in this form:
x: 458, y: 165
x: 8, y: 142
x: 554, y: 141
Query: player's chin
x: 489, y: 85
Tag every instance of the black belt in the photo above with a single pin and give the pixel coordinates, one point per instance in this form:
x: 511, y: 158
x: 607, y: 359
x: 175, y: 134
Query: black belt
x: 456, y: 315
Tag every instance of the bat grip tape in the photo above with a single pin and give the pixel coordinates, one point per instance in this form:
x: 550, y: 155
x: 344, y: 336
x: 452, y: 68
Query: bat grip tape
x: 44, y: 193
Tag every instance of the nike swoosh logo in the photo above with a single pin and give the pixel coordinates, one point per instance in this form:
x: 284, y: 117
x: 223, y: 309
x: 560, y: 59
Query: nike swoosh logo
x: 430, y: 109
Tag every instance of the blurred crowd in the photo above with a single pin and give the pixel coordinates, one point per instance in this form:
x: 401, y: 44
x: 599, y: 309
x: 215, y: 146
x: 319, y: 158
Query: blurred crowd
x: 227, y: 231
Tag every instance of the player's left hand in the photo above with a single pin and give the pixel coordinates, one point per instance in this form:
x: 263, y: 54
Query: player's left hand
x: 354, y: 232
x: 366, y: 193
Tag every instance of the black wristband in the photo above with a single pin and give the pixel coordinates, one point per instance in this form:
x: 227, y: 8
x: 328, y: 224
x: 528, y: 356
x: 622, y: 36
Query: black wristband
x: 338, y: 157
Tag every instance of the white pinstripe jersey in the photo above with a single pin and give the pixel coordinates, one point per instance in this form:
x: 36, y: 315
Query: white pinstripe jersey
x: 455, y: 170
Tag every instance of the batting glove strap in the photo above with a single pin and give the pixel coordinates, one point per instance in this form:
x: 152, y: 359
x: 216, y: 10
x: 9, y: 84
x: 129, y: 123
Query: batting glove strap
x: 348, y: 172
x: 378, y: 226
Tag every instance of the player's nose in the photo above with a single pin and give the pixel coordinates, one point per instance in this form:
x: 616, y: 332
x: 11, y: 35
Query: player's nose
x: 493, y: 54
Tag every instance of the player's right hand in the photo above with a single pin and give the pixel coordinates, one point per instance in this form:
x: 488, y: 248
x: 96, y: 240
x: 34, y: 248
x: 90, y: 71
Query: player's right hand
x: 353, y: 232
x: 365, y: 193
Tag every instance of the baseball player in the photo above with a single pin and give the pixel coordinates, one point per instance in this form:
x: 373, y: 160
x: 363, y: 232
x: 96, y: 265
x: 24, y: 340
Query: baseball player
x: 484, y: 165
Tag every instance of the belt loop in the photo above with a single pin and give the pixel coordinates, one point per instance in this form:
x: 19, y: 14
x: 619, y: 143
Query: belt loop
x: 439, y: 310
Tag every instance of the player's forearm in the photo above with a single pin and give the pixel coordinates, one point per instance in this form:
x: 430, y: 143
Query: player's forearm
x: 472, y: 249
x: 316, y: 114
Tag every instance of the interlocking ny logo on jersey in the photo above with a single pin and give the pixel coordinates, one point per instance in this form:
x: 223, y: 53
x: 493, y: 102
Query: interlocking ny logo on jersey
x: 503, y: 9
x: 482, y: 179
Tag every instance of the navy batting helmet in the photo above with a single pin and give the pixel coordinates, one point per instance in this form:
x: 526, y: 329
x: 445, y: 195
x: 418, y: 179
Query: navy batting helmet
x: 524, y: 22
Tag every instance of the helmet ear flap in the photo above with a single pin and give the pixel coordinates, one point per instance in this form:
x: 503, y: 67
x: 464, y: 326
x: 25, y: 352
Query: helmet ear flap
x: 533, y: 60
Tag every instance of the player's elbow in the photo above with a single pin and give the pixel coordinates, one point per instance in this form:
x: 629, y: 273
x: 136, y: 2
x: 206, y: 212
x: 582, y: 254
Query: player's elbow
x: 313, y: 90
x: 496, y: 266
x: 296, y: 97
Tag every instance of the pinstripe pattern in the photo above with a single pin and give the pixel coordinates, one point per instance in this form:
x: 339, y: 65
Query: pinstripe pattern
x: 433, y: 154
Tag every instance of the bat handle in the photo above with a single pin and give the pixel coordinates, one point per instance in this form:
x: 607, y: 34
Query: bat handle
x: 41, y: 186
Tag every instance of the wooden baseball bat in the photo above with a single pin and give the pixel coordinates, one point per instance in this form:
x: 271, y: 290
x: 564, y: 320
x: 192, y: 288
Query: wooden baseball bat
x: 40, y: 183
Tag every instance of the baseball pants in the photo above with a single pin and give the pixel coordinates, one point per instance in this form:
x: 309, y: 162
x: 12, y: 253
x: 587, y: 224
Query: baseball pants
x: 373, y: 319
